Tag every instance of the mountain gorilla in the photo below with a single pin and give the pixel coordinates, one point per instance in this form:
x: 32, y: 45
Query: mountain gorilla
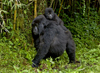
x: 51, y: 40
x: 50, y: 15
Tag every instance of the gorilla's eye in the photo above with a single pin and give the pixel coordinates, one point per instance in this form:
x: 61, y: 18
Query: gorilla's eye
x: 36, y: 24
x: 49, y: 13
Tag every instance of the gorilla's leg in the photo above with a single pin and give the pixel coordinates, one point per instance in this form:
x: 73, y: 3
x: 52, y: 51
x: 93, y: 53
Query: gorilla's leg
x: 71, y: 50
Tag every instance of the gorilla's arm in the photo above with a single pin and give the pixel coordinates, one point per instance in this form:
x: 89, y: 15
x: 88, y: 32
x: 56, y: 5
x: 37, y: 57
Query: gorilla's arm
x: 43, y: 47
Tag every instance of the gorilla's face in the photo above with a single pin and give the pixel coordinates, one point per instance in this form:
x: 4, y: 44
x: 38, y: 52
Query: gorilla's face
x: 38, y: 25
x: 37, y: 28
x: 49, y: 13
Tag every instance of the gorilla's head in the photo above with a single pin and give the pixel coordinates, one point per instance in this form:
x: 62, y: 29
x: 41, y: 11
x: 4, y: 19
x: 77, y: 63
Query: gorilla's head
x: 49, y: 13
x: 38, y: 25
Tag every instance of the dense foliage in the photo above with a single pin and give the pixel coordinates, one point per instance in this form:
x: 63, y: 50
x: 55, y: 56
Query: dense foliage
x: 17, y: 48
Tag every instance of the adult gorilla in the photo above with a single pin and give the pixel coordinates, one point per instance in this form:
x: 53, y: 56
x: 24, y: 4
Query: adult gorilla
x: 51, y: 40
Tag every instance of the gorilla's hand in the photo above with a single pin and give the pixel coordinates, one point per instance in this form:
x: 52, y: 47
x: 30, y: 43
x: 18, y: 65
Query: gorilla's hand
x: 34, y: 65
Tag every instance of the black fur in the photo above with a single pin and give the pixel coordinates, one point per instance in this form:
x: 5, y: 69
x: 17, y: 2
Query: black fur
x: 51, y: 40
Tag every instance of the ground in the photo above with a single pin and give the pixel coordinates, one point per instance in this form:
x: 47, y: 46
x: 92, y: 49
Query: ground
x: 18, y: 60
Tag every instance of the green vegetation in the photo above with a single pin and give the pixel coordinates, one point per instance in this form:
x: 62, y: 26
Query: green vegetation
x: 17, y: 49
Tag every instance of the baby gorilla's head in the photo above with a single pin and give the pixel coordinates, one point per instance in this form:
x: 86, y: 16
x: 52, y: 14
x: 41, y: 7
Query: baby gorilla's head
x: 49, y: 13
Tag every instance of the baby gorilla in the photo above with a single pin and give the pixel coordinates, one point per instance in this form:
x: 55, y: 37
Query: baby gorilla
x: 50, y: 15
x: 51, y: 40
